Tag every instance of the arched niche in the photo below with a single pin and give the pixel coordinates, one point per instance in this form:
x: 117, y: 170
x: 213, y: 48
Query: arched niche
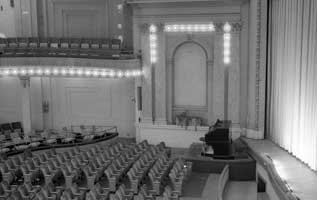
x: 189, y: 80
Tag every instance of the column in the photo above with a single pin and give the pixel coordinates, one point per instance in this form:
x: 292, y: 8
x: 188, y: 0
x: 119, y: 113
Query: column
x: 234, y: 76
x: 160, y: 78
x: 218, y: 75
x: 26, y: 105
x: 147, y: 111
x: 257, y: 69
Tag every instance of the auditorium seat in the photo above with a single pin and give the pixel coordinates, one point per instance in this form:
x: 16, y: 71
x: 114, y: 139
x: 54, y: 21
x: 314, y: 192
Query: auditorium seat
x: 51, y: 188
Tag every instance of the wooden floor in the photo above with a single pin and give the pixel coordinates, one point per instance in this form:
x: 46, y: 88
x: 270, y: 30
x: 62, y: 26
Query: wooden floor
x: 301, y: 179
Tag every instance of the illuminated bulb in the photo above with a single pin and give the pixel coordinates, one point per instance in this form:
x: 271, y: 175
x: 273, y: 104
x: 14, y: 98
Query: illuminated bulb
x: 119, y: 74
x: 71, y: 72
x: 203, y: 27
x: 111, y: 74
x: 15, y: 72
x: 119, y: 7
x: 153, y: 28
x: 211, y: 27
x: 135, y: 73
x: 6, y: 72
x: 175, y: 27
x: 63, y: 72
x: 153, y: 60
x: 153, y: 45
x: 87, y: 72
x: 227, y: 27
x: 127, y: 74
x: 168, y: 28
x: 189, y: 28
x: 30, y: 71
x: 226, y: 59
x: 22, y: 72
x: 119, y: 26
x: 55, y: 71
x: 47, y: 71
x: 104, y: 73
x: 226, y: 52
x: 226, y: 44
x: 227, y: 36
x: 79, y: 72
x: 39, y: 72
x: 153, y: 52
x: 95, y: 73
x: 153, y: 38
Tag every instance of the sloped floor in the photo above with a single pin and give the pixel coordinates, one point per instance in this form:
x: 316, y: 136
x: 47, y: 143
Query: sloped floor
x: 201, y: 186
x: 240, y: 190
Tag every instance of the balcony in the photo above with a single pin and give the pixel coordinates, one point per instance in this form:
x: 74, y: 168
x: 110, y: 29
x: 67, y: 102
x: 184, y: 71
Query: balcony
x: 91, y: 48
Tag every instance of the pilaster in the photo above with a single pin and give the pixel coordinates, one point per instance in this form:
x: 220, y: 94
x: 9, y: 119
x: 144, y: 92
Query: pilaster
x: 26, y: 105
x: 147, y: 96
x: 160, y: 78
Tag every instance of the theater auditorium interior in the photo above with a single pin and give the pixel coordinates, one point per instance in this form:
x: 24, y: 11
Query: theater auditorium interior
x: 158, y: 99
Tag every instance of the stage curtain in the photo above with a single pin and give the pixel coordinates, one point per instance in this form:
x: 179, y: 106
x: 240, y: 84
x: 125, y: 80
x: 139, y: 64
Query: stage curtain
x: 292, y: 77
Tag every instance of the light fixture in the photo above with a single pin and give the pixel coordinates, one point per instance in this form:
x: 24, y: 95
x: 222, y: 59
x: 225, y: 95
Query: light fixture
x: 189, y: 28
x: 153, y: 43
x: 226, y: 43
x: 37, y: 71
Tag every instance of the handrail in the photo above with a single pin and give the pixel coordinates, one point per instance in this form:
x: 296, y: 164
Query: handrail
x: 223, y: 179
x: 278, y: 184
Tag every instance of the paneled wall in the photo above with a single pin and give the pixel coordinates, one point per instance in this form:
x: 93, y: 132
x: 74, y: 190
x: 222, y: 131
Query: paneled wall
x: 72, y: 101
x: 10, y: 100
x: 77, y: 101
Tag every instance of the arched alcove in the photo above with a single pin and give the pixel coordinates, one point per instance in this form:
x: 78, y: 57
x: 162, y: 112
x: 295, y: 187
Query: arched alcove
x: 189, y: 80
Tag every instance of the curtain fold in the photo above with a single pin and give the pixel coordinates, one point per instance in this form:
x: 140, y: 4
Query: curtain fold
x: 292, y: 77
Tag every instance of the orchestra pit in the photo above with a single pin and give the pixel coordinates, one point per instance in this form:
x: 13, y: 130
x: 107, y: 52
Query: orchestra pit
x: 158, y: 99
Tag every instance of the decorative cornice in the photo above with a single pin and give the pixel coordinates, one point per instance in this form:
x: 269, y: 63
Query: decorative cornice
x: 235, y: 27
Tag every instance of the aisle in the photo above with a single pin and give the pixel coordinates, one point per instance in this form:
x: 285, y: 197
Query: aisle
x: 200, y: 187
x: 240, y: 190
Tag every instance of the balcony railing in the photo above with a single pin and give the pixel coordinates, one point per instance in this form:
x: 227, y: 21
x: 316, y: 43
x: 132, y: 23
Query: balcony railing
x: 64, y: 47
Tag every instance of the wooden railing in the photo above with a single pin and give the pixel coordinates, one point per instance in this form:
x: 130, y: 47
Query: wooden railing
x: 64, y: 47
x: 223, y: 179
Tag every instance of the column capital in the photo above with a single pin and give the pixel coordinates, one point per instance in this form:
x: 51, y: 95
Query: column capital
x: 235, y: 27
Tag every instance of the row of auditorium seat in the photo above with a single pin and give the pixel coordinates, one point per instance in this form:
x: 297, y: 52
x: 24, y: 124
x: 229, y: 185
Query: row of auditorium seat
x: 110, y: 173
x: 12, y: 137
x: 69, y: 47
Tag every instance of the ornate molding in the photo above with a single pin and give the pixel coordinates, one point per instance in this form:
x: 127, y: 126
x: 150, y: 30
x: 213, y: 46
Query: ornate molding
x: 235, y: 27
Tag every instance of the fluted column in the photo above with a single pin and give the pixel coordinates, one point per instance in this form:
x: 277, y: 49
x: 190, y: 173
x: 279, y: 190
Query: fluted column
x: 26, y: 105
x: 160, y: 77
x: 218, y: 74
x: 147, y: 100
x: 234, y: 75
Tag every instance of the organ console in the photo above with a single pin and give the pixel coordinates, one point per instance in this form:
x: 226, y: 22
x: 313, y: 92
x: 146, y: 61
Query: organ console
x: 218, y: 140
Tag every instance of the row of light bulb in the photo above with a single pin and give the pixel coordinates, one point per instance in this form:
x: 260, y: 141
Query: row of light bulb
x: 226, y: 43
x: 69, y: 72
x: 153, y: 44
x: 190, y: 28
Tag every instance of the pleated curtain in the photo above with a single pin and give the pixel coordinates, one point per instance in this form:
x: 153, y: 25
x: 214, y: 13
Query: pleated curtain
x: 292, y: 77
